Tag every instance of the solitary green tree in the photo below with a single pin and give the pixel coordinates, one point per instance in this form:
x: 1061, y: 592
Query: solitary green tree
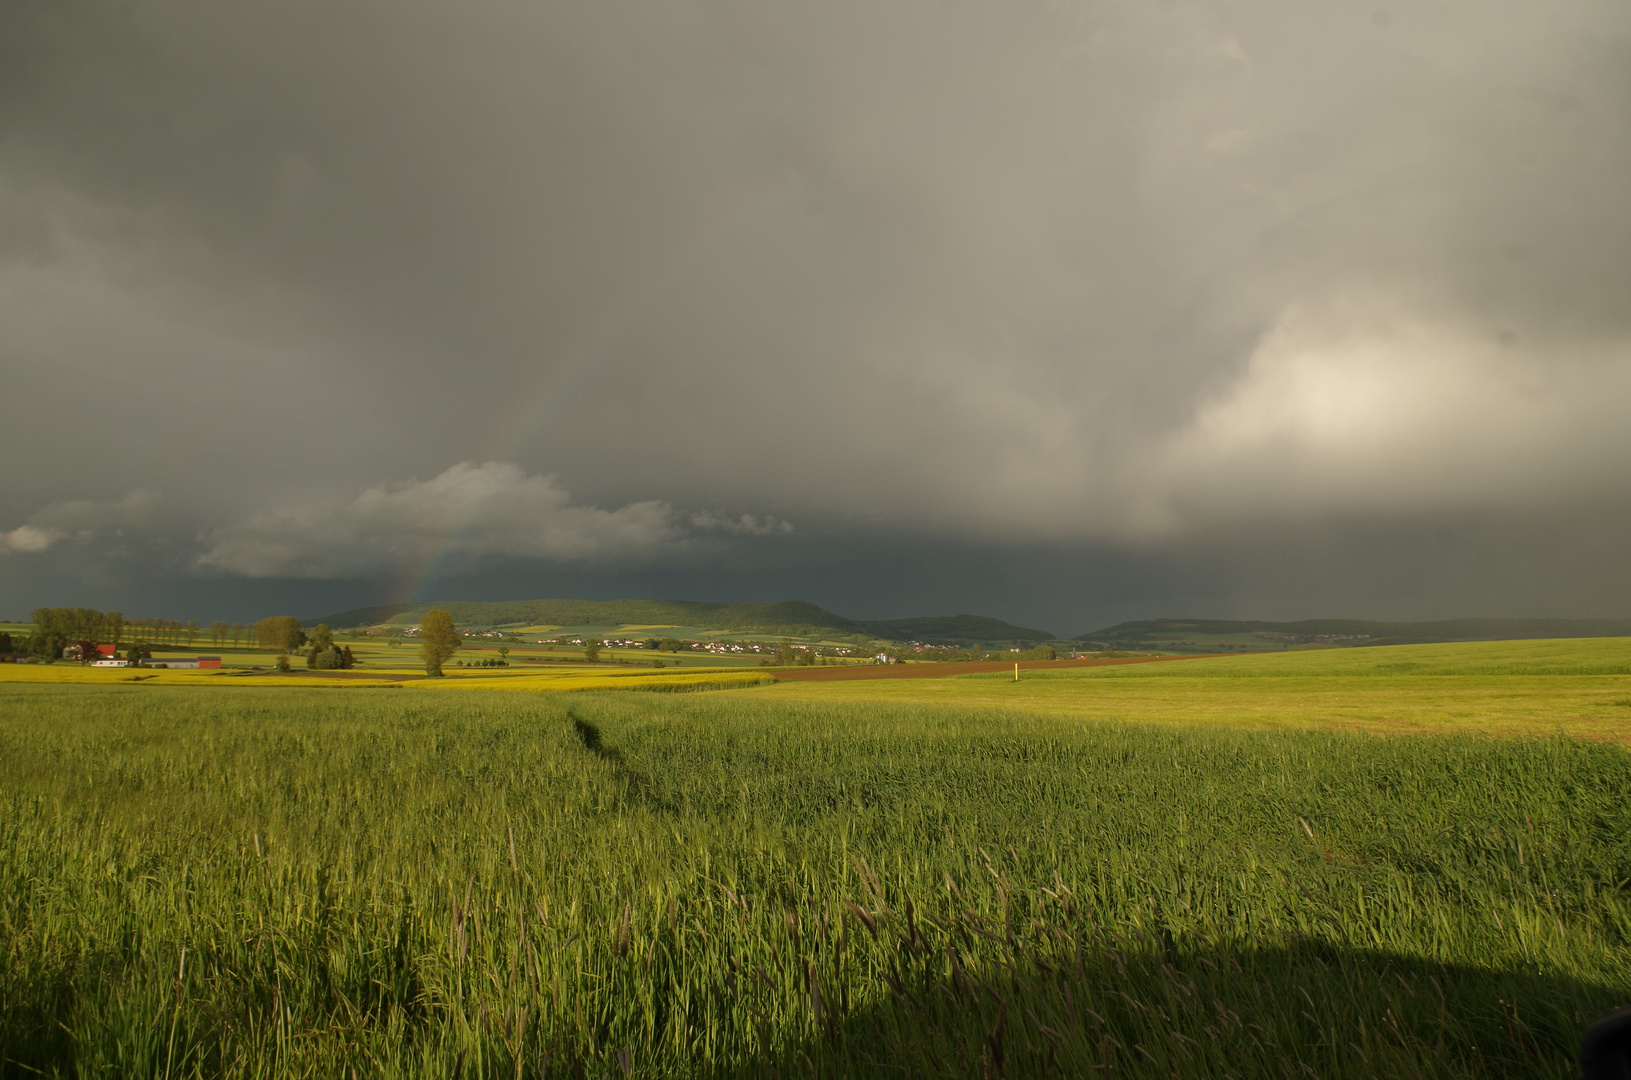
x: 438, y: 640
x: 280, y: 633
x: 591, y: 650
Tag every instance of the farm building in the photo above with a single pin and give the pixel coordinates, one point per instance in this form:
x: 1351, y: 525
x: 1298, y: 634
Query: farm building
x: 183, y: 662
x: 89, y: 650
x: 110, y: 662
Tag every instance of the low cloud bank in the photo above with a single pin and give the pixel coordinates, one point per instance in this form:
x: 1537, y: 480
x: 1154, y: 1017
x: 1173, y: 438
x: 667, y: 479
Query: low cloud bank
x: 83, y: 521
x: 469, y: 513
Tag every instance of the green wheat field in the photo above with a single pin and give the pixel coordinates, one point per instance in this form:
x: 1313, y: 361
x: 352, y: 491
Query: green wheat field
x: 281, y: 882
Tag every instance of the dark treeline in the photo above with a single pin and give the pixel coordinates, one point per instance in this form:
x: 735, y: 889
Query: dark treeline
x: 55, y: 629
x: 795, y: 617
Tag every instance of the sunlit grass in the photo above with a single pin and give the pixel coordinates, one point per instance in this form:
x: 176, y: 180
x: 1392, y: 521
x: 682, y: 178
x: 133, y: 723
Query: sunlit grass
x: 599, y: 679
x: 1550, y: 656
x: 291, y: 882
x: 1579, y: 688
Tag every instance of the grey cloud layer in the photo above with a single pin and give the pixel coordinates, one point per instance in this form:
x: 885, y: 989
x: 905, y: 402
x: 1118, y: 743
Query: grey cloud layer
x: 454, y: 522
x: 83, y: 520
x: 1005, y: 272
x: 468, y: 513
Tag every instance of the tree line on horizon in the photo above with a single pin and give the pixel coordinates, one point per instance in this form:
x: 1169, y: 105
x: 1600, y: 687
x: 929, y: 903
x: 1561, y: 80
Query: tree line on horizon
x: 284, y: 634
x: 55, y: 629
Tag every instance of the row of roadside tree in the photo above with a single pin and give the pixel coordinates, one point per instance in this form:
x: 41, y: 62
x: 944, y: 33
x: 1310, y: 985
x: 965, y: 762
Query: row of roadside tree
x: 57, y: 629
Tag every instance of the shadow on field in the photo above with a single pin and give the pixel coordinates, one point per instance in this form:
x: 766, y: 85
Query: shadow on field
x: 1144, y: 1010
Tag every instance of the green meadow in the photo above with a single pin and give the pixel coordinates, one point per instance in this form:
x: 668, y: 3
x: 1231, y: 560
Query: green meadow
x: 1579, y: 688
x: 805, y: 880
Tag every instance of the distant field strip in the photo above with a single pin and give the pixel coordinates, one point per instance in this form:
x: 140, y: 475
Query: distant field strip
x: 1550, y: 656
x: 569, y: 679
x: 945, y: 671
x: 561, y: 681
x: 1580, y: 688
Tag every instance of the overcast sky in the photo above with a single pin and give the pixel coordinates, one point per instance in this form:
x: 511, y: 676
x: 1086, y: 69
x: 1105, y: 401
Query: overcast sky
x: 1064, y: 312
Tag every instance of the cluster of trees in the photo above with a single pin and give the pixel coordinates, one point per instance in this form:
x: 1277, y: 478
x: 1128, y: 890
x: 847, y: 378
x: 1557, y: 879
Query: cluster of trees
x: 57, y: 628
x: 80, y: 624
x: 322, y: 654
x: 284, y: 635
x: 666, y: 644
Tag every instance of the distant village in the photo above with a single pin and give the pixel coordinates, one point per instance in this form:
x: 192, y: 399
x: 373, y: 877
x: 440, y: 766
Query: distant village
x: 108, y: 640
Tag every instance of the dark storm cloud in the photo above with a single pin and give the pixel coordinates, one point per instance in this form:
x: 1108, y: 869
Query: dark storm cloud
x: 1097, y: 276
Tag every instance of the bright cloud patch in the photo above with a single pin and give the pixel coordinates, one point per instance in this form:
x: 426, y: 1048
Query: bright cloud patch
x: 80, y: 519
x: 1398, y: 414
x: 470, y: 512
x: 30, y: 538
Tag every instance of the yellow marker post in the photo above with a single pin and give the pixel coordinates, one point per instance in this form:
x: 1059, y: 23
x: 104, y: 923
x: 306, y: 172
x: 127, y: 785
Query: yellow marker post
x: 1016, y: 673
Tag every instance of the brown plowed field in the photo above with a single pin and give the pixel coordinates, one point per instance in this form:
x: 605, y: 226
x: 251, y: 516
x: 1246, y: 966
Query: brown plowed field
x: 940, y: 671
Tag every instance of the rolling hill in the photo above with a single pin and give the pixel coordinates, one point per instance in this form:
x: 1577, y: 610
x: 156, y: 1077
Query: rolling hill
x: 778, y: 617
x: 1357, y: 631
x: 954, y: 628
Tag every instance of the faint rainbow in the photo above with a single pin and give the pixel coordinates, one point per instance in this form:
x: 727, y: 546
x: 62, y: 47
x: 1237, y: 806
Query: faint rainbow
x: 616, y: 309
